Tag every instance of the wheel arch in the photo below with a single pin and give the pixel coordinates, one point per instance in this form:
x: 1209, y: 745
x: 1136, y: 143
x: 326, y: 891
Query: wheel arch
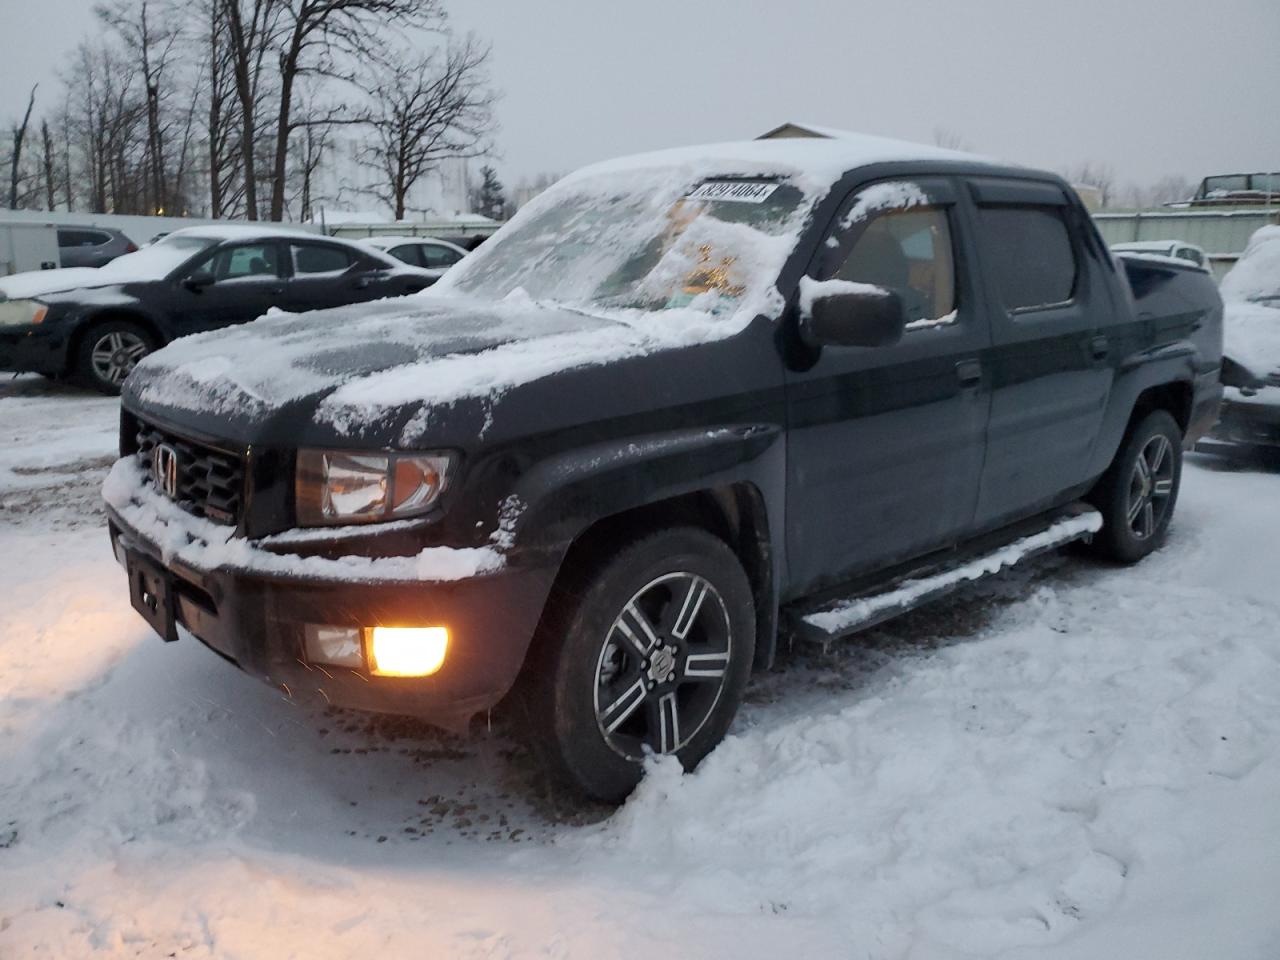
x: 95, y: 320
x: 736, y: 514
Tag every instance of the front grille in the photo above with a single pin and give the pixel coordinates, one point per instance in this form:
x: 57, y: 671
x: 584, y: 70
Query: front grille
x: 208, y: 482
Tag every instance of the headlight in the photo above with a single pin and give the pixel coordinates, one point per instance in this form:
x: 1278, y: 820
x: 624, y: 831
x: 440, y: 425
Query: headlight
x: 17, y: 313
x: 347, y: 487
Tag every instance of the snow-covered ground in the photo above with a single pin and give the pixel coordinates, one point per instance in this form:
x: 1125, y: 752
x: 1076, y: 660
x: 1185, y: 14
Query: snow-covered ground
x: 1070, y: 761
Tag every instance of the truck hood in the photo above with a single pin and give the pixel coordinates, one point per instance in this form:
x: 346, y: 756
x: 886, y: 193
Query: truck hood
x: 384, y: 371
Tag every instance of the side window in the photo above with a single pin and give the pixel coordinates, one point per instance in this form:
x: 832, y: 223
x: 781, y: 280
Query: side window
x: 902, y: 244
x: 81, y: 238
x: 248, y: 260
x: 1028, y: 252
x: 311, y: 259
x: 408, y: 252
x: 437, y: 256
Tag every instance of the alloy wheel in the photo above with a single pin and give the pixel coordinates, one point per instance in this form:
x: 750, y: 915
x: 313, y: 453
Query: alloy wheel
x: 662, y: 666
x: 115, y: 354
x: 1150, y: 487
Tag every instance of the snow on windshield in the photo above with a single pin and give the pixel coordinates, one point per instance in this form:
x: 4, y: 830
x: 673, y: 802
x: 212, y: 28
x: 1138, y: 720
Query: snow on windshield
x: 650, y: 239
x: 1256, y: 275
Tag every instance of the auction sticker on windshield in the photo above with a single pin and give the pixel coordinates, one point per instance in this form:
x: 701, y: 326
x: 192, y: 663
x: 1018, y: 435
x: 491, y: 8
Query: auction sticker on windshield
x: 739, y: 191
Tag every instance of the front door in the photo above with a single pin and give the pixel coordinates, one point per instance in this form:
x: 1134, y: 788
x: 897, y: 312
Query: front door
x: 1050, y: 370
x: 246, y: 283
x: 885, y: 444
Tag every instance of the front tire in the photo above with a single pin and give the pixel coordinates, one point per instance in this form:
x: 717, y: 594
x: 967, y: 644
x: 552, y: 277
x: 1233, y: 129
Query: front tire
x: 652, y: 657
x: 1137, y: 494
x: 110, y: 351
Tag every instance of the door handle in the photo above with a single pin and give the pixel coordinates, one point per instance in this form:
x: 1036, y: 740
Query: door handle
x: 969, y: 372
x: 1099, y: 347
x: 276, y: 291
x: 360, y: 282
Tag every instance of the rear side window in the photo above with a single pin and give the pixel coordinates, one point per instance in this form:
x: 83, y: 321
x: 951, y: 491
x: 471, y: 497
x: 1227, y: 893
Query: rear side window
x: 313, y: 258
x: 82, y: 238
x: 408, y: 252
x: 1028, y: 252
x: 436, y: 256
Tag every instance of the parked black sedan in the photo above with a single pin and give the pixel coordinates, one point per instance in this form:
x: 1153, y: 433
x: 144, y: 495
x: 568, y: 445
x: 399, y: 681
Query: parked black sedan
x: 97, y: 324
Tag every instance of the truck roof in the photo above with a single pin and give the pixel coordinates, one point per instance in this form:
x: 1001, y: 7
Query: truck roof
x: 819, y: 158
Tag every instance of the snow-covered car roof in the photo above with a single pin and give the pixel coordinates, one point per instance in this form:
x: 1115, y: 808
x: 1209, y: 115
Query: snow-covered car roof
x: 154, y: 261
x: 1256, y: 275
x: 387, y: 242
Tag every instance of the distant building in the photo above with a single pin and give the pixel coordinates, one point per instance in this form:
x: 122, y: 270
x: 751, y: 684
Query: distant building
x: 793, y: 130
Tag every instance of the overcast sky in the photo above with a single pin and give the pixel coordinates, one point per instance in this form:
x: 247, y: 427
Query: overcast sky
x: 1152, y: 88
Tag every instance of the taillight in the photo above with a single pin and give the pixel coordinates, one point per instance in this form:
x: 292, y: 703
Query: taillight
x: 131, y: 248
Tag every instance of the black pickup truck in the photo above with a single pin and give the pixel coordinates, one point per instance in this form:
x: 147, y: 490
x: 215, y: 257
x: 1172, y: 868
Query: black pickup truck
x: 682, y: 404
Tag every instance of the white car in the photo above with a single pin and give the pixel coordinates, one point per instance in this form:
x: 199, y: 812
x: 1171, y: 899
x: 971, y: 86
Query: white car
x: 1250, y: 411
x: 433, y: 256
x: 1174, y: 249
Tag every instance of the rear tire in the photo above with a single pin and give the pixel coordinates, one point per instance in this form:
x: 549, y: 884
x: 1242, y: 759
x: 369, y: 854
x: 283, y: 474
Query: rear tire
x: 108, y: 353
x: 650, y: 654
x: 1139, y: 491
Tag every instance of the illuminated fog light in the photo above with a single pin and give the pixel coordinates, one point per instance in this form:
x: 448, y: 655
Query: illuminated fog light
x: 337, y: 646
x: 407, y: 651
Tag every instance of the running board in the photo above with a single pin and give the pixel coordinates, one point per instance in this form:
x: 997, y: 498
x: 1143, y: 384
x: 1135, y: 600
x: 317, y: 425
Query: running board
x: 832, y: 618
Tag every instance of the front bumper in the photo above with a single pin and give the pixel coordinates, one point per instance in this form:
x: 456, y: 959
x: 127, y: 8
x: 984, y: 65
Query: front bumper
x: 252, y: 614
x: 33, y: 349
x: 1249, y: 419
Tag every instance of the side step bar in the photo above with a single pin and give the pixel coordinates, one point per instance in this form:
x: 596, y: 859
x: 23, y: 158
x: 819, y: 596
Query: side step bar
x: 834, y: 617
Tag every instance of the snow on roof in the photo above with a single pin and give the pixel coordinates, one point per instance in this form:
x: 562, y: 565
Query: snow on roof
x: 242, y: 231
x: 820, y: 158
x: 1147, y: 245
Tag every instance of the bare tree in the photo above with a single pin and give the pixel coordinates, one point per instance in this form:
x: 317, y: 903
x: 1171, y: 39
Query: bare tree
x: 48, y: 160
x: 252, y: 27
x: 1097, y: 175
x: 318, y: 36
x: 437, y: 106
x: 950, y: 139
x: 15, y: 160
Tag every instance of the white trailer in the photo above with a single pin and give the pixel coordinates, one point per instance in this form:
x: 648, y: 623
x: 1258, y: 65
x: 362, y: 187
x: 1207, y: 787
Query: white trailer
x: 27, y: 246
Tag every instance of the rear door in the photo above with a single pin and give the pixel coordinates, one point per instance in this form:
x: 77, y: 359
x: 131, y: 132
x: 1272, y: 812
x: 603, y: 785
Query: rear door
x: 885, y: 444
x: 247, y: 282
x: 332, y: 275
x: 1048, y: 312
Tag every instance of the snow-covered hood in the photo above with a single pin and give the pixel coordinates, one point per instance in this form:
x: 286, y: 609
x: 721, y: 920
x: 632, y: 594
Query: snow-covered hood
x: 356, y: 369
x: 45, y: 283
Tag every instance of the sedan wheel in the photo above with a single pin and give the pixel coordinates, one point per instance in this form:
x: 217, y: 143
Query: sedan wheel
x: 109, y: 352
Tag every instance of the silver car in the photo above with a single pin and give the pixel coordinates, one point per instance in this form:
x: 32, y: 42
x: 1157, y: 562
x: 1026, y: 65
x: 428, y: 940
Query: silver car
x: 91, y: 246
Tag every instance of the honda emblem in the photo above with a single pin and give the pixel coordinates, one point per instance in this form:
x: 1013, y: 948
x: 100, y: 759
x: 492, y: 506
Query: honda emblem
x: 164, y: 469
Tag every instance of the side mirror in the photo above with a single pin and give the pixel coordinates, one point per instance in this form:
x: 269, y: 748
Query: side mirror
x: 198, y: 281
x: 840, y: 313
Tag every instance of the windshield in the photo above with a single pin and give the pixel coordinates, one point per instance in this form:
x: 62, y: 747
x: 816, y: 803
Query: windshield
x: 157, y: 260
x: 651, y: 240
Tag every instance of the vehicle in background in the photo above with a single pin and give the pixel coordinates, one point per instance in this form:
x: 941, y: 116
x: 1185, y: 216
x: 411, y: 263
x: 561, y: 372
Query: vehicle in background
x: 680, y: 399
x: 1251, y: 350
x: 92, y: 246
x: 434, y: 256
x: 1176, y: 249
x: 26, y: 246
x: 97, y: 323
x: 1238, y: 189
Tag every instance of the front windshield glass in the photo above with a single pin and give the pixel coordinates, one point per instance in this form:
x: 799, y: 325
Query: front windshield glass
x: 650, y: 240
x: 160, y: 258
